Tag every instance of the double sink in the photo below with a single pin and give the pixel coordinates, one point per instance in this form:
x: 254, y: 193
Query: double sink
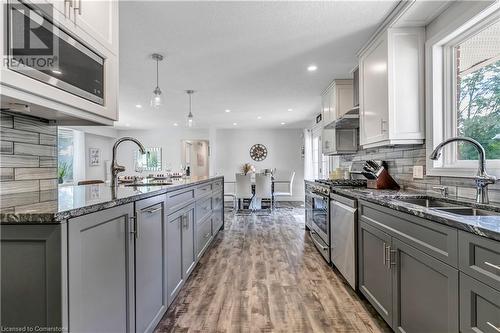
x: 445, y: 206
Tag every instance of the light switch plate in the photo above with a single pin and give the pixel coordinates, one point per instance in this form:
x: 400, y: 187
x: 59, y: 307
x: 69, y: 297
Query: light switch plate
x: 418, y: 172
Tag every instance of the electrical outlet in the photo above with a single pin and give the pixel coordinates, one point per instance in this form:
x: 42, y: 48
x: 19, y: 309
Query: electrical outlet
x: 418, y: 172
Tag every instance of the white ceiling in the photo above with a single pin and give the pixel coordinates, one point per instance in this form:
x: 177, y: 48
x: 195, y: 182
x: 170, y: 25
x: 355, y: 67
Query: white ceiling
x: 249, y: 57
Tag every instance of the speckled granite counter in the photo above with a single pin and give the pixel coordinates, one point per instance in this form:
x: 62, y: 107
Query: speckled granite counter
x: 55, y: 206
x: 486, y: 226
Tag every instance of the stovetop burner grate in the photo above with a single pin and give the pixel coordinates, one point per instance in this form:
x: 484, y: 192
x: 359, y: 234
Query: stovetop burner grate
x: 343, y: 182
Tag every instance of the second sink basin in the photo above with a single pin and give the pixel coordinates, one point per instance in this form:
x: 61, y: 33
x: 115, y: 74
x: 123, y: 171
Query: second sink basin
x: 468, y: 211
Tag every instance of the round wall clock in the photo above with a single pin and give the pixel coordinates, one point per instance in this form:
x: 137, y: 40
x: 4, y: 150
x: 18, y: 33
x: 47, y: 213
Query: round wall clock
x: 258, y: 152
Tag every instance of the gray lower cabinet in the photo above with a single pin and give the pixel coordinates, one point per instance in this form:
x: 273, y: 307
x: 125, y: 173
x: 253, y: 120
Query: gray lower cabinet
x: 425, y: 297
x: 180, y: 249
x: 31, y: 274
x: 151, y: 295
x: 479, y: 306
x: 375, y: 277
x: 410, y: 288
x: 204, y: 235
x: 101, y: 271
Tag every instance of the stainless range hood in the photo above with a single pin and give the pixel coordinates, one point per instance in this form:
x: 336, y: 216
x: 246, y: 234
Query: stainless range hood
x: 349, y: 120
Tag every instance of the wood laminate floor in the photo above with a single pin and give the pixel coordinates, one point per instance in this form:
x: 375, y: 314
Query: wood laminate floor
x: 263, y: 274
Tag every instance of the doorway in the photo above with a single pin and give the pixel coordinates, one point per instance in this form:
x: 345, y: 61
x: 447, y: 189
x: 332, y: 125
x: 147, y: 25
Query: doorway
x: 195, y: 154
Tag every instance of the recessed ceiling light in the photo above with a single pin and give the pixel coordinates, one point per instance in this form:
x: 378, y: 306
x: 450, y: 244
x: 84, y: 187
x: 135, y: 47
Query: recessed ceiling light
x: 259, y: 117
x: 175, y: 124
x: 127, y: 124
x: 312, y: 68
x: 290, y: 110
x: 283, y: 123
x: 227, y: 110
x: 138, y: 106
x: 55, y: 71
x: 234, y: 124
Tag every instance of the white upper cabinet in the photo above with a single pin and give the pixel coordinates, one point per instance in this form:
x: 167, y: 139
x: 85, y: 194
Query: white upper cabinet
x: 336, y: 100
x: 85, y: 29
x: 391, y: 91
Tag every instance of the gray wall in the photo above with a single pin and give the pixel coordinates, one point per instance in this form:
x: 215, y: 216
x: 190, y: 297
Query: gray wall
x: 401, y: 161
x: 28, y: 161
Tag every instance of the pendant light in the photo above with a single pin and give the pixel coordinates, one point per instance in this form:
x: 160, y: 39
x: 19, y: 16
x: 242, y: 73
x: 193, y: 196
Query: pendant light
x: 190, y: 117
x: 156, y: 99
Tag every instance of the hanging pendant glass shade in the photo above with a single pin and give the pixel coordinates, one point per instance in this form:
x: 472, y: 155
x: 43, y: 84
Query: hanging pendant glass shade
x: 156, y: 98
x: 190, y: 117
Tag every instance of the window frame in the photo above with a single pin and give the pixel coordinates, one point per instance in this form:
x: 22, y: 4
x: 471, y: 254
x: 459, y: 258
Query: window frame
x: 441, y: 93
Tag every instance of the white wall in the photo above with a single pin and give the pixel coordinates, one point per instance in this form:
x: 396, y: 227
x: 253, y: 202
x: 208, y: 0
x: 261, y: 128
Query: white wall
x: 283, y: 153
x: 168, y: 139
x: 105, y: 144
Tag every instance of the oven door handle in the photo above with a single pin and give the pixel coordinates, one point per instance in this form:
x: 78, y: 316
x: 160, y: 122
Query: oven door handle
x: 311, y: 233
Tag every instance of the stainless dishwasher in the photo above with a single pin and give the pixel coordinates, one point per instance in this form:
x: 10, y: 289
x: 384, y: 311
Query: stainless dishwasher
x: 343, y: 226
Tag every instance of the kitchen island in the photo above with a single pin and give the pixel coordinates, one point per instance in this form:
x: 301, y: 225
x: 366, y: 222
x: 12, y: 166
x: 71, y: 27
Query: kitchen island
x: 97, y: 258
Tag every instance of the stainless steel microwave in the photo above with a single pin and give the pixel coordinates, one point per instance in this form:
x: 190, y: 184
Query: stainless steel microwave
x: 42, y: 50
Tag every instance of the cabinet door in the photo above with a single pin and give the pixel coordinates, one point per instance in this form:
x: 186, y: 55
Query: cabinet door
x: 188, y: 242
x: 375, y: 278
x: 174, y: 254
x: 100, y: 271
x: 479, y: 306
x: 150, y: 263
x: 425, y: 291
x: 99, y: 19
x: 204, y: 234
x: 325, y: 107
x: 374, y: 93
x: 343, y: 100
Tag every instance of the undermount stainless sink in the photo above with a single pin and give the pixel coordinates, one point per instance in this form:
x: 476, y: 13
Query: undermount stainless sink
x: 427, y: 202
x: 149, y: 184
x: 468, y: 211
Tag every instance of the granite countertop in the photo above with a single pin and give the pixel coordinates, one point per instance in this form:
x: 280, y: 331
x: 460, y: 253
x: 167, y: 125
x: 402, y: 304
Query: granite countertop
x: 55, y: 206
x: 486, y: 226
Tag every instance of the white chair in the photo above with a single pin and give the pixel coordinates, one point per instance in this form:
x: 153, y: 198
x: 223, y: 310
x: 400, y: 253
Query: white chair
x: 263, y: 187
x: 231, y: 195
x: 243, y: 187
x: 290, y: 188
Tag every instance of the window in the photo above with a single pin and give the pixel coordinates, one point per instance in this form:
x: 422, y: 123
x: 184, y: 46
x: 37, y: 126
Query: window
x: 70, y: 156
x: 151, y: 161
x: 477, y: 75
x: 65, y: 154
x: 463, y: 87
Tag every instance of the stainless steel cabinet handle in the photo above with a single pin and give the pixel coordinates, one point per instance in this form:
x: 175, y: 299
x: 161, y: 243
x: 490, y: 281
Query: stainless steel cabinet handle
x: 78, y: 6
x: 153, y: 210
x: 185, y: 221
x: 391, y: 252
x: 387, y: 255
x: 384, y: 253
x: 493, y: 326
x: 135, y: 231
x: 382, y: 122
x: 492, y: 265
x: 207, y: 235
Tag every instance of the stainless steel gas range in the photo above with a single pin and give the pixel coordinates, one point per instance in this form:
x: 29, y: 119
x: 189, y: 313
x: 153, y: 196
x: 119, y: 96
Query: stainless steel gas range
x: 331, y: 220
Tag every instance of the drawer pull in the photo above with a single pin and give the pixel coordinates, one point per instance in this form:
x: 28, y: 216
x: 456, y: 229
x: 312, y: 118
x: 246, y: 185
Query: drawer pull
x: 493, y: 326
x: 492, y: 265
x: 153, y: 210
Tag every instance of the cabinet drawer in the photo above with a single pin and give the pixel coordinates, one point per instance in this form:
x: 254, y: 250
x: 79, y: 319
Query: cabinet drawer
x: 437, y: 240
x: 479, y: 306
x: 479, y: 257
x: 216, y: 224
x: 217, y: 186
x: 178, y: 199
x: 217, y: 200
x: 204, y: 236
x: 203, y: 208
x: 203, y: 190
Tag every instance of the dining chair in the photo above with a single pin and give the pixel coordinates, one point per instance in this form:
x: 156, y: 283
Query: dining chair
x: 263, y: 187
x: 232, y: 196
x: 243, y: 187
x: 290, y: 188
x: 90, y: 182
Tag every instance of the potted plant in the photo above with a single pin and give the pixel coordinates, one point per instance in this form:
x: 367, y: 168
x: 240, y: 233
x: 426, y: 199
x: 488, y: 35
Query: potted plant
x: 248, y: 168
x: 62, y: 171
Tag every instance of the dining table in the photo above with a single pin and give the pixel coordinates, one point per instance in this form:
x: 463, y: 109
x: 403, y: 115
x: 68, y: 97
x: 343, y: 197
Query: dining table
x: 257, y: 203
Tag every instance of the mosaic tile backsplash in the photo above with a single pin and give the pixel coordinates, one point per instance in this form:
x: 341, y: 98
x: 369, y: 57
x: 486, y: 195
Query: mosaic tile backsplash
x: 28, y: 161
x: 400, y: 162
